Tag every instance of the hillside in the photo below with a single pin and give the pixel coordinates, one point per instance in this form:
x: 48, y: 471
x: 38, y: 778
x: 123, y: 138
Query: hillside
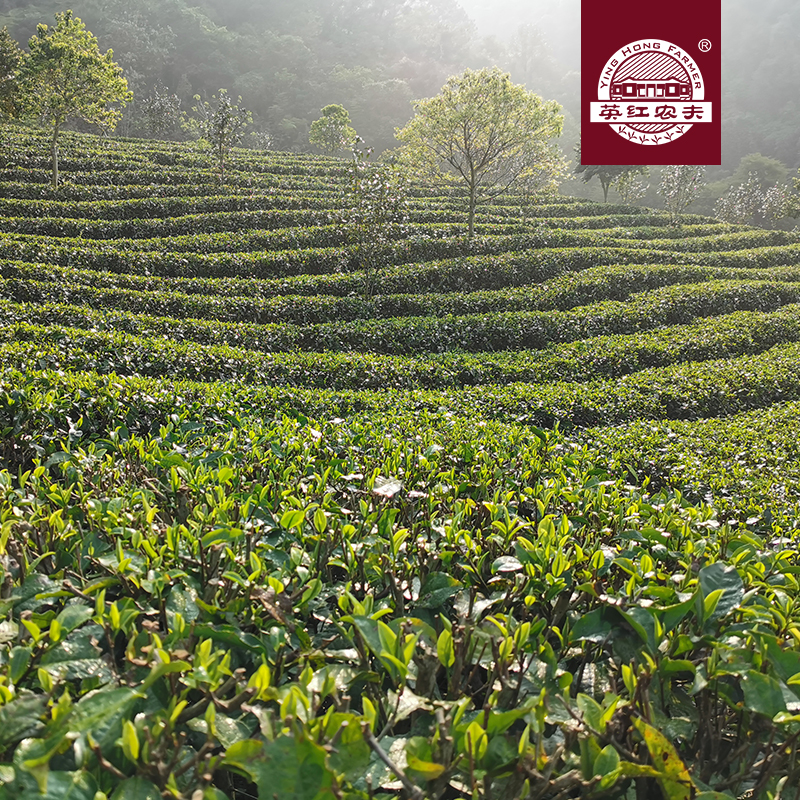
x: 523, y: 524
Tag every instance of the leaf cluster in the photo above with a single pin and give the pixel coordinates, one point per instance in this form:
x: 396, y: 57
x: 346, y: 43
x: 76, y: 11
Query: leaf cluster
x: 65, y: 75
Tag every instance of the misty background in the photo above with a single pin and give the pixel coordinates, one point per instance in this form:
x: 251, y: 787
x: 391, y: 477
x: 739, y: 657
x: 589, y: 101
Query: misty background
x: 289, y: 58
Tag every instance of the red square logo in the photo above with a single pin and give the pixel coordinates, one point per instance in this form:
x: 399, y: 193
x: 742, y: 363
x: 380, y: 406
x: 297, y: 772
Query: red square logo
x: 650, y: 82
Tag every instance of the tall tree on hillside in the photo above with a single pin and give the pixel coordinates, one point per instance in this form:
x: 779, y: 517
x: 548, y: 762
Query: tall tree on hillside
x: 161, y: 110
x: 11, y: 59
x: 768, y: 171
x: 748, y: 203
x: 741, y: 203
x: 776, y: 203
x: 66, y: 76
x: 631, y: 187
x: 530, y: 57
x: 477, y: 131
x: 332, y: 132
x: 543, y: 173
x: 374, y: 211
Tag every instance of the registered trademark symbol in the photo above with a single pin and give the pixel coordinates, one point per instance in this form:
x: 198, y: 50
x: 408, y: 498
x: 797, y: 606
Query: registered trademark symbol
x: 704, y: 45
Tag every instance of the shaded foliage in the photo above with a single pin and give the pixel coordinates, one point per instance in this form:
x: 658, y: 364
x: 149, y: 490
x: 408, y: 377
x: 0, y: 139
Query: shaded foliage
x: 332, y: 132
x: 221, y: 123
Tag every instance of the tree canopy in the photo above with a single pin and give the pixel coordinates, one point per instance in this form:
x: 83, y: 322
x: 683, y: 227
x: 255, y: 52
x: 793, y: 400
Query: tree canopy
x: 222, y: 123
x: 374, y: 204
x: 332, y: 132
x: 679, y: 187
x: 66, y: 76
x: 480, y: 130
x: 11, y: 59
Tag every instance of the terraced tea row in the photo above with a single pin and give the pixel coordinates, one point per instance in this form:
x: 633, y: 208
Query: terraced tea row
x: 407, y: 264
x: 78, y: 349
x: 275, y: 220
x: 156, y: 207
x: 668, y: 305
x: 271, y: 301
x: 538, y: 505
x: 678, y: 391
x: 749, y: 463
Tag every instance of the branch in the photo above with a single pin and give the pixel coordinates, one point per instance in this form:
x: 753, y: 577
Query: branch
x: 107, y: 765
x: 414, y: 790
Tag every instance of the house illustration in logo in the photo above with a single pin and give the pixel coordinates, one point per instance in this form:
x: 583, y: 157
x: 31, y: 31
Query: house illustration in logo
x: 671, y: 88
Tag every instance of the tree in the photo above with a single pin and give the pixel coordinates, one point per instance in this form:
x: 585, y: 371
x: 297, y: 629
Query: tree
x: 774, y: 204
x: 161, y: 111
x: 375, y: 211
x: 740, y: 204
x: 543, y: 173
x: 531, y: 58
x: 680, y: 185
x: 768, y: 171
x: 630, y: 186
x: 222, y: 124
x: 11, y: 59
x: 480, y: 130
x: 262, y: 140
x: 332, y: 132
x: 66, y: 76
x: 777, y: 203
x: 607, y: 174
x: 751, y: 204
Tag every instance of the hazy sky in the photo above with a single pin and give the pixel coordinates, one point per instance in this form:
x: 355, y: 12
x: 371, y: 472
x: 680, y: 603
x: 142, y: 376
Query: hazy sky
x: 559, y: 19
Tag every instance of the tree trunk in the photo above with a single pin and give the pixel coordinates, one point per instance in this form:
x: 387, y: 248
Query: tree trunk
x: 471, y: 216
x: 606, y: 187
x: 54, y: 154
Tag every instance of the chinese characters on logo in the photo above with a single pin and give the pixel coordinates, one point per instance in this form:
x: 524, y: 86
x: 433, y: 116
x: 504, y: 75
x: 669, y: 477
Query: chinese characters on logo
x: 608, y: 112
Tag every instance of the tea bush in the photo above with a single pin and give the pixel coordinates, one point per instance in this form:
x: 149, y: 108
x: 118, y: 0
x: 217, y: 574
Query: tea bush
x: 523, y: 524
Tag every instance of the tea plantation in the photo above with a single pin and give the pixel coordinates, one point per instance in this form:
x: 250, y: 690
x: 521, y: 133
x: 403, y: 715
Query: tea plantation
x: 522, y: 524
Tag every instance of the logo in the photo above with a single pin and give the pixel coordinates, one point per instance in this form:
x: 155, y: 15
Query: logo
x: 651, y: 82
x: 651, y: 92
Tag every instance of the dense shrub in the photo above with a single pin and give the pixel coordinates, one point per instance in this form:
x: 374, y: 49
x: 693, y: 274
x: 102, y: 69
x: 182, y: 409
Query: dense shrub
x: 261, y: 537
